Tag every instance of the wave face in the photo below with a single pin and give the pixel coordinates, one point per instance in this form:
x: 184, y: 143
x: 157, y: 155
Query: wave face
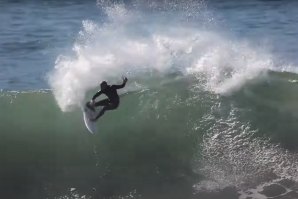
x: 173, y: 139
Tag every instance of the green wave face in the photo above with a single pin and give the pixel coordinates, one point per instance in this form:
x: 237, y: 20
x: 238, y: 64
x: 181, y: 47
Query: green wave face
x: 149, y: 139
x: 166, y: 139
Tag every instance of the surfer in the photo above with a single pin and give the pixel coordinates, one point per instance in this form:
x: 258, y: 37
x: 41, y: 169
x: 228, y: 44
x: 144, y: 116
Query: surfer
x: 111, y: 103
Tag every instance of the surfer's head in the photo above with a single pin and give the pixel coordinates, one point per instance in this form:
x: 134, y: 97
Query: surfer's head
x: 103, y: 85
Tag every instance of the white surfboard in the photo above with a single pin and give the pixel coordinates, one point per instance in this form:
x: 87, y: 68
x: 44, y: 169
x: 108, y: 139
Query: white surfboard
x: 89, y: 114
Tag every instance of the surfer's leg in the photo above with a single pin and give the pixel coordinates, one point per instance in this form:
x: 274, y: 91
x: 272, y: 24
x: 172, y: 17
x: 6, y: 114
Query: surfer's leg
x: 104, y: 102
x: 90, y: 106
x: 106, y: 108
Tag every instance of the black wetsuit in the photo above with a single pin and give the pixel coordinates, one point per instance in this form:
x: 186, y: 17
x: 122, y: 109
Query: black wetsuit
x: 113, y: 98
x: 111, y: 93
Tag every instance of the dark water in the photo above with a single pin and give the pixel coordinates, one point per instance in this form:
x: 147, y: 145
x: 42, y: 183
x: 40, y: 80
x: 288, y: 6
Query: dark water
x: 33, y: 34
x: 209, y: 111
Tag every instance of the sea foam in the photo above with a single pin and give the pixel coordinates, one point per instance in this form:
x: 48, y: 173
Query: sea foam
x: 132, y: 42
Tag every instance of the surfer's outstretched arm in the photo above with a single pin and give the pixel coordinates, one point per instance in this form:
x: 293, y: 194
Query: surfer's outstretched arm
x: 121, y: 85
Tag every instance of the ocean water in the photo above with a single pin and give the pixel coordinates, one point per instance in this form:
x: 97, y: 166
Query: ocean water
x: 209, y: 112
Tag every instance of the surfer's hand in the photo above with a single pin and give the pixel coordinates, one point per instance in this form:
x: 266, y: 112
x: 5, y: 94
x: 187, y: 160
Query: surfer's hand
x: 124, y: 79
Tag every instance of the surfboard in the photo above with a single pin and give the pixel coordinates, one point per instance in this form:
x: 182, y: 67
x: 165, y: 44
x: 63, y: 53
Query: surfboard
x: 88, y: 114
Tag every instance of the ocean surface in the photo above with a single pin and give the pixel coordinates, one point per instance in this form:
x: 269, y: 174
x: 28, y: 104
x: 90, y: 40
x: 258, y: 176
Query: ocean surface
x: 209, y: 111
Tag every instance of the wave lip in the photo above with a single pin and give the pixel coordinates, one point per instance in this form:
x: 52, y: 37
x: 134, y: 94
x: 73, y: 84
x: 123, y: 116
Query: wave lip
x: 130, y: 43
